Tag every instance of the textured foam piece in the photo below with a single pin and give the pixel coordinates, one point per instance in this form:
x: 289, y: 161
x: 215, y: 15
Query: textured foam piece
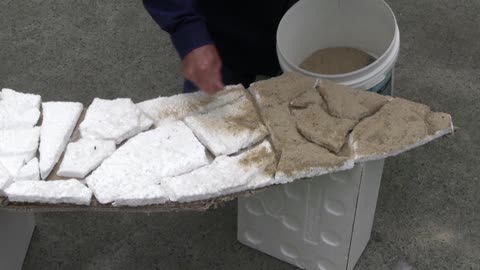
x: 18, y: 110
x: 307, y: 98
x: 84, y: 156
x: 398, y: 126
x: 29, y: 172
x: 144, y: 121
x: 21, y: 141
x: 262, y: 159
x: 227, y: 174
x: 319, y: 127
x: 13, y: 164
x: 296, y: 162
x: 346, y: 102
x: 168, y: 150
x: 146, y: 195
x: 117, y: 120
x: 228, y: 129
x: 52, y: 192
x: 299, y: 158
x: 59, y: 121
x: 165, y: 109
x: 5, y: 179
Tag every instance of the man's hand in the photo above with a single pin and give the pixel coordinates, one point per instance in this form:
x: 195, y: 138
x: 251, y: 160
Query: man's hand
x: 202, y: 67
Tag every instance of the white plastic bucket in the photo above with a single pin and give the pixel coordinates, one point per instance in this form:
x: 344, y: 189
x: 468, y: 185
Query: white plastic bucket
x: 368, y: 25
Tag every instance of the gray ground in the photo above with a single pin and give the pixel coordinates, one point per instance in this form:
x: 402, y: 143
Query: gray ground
x: 427, y: 212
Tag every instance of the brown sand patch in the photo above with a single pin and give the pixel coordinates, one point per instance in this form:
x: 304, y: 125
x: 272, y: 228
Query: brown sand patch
x: 337, y: 60
x: 346, y: 102
x: 396, y: 126
x: 298, y: 156
x: 263, y: 157
x: 319, y: 127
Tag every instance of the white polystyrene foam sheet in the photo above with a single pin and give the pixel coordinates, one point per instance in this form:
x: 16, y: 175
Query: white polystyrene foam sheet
x: 177, y: 107
x: 5, y: 179
x: 225, y: 175
x: 19, y: 141
x: 226, y: 130
x: 168, y: 150
x: 13, y: 164
x: 401, y: 125
x: 117, y: 120
x: 143, y: 195
x: 144, y: 121
x: 29, y: 172
x: 283, y: 178
x: 83, y: 156
x: 365, y: 158
x: 59, y: 121
x: 52, y: 192
x: 18, y: 110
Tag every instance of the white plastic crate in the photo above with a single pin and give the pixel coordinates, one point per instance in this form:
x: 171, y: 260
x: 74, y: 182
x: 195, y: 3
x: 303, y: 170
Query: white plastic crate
x: 320, y: 223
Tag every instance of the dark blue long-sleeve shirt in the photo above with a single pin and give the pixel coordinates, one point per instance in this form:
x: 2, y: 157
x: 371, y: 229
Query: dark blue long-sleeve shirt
x: 179, y: 18
x: 243, y: 31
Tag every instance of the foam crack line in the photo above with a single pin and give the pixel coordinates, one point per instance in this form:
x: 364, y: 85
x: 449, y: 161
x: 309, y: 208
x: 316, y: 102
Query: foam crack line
x: 346, y: 139
x: 258, y: 110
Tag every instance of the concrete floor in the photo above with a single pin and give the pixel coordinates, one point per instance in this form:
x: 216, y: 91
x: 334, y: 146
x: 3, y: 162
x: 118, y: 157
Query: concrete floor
x: 427, y: 214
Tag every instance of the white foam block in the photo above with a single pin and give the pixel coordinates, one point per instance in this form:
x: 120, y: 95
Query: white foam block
x: 228, y: 129
x: 59, y: 121
x: 20, y: 141
x: 18, y: 110
x: 29, y: 172
x: 117, y: 120
x: 265, y: 165
x: 173, y: 108
x: 144, y: 121
x: 147, y: 195
x: 227, y: 174
x: 84, y: 156
x: 397, y: 127
x: 282, y: 178
x: 13, y: 164
x: 168, y: 150
x: 52, y: 192
x: 5, y: 180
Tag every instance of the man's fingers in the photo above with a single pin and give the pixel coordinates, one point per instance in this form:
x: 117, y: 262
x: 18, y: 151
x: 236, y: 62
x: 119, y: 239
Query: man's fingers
x: 208, y: 86
x: 219, y: 86
x: 212, y: 87
x: 202, y: 67
x: 209, y: 82
x: 217, y: 83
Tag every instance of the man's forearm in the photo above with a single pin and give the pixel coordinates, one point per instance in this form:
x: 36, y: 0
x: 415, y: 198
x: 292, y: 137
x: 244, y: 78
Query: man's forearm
x: 187, y: 28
